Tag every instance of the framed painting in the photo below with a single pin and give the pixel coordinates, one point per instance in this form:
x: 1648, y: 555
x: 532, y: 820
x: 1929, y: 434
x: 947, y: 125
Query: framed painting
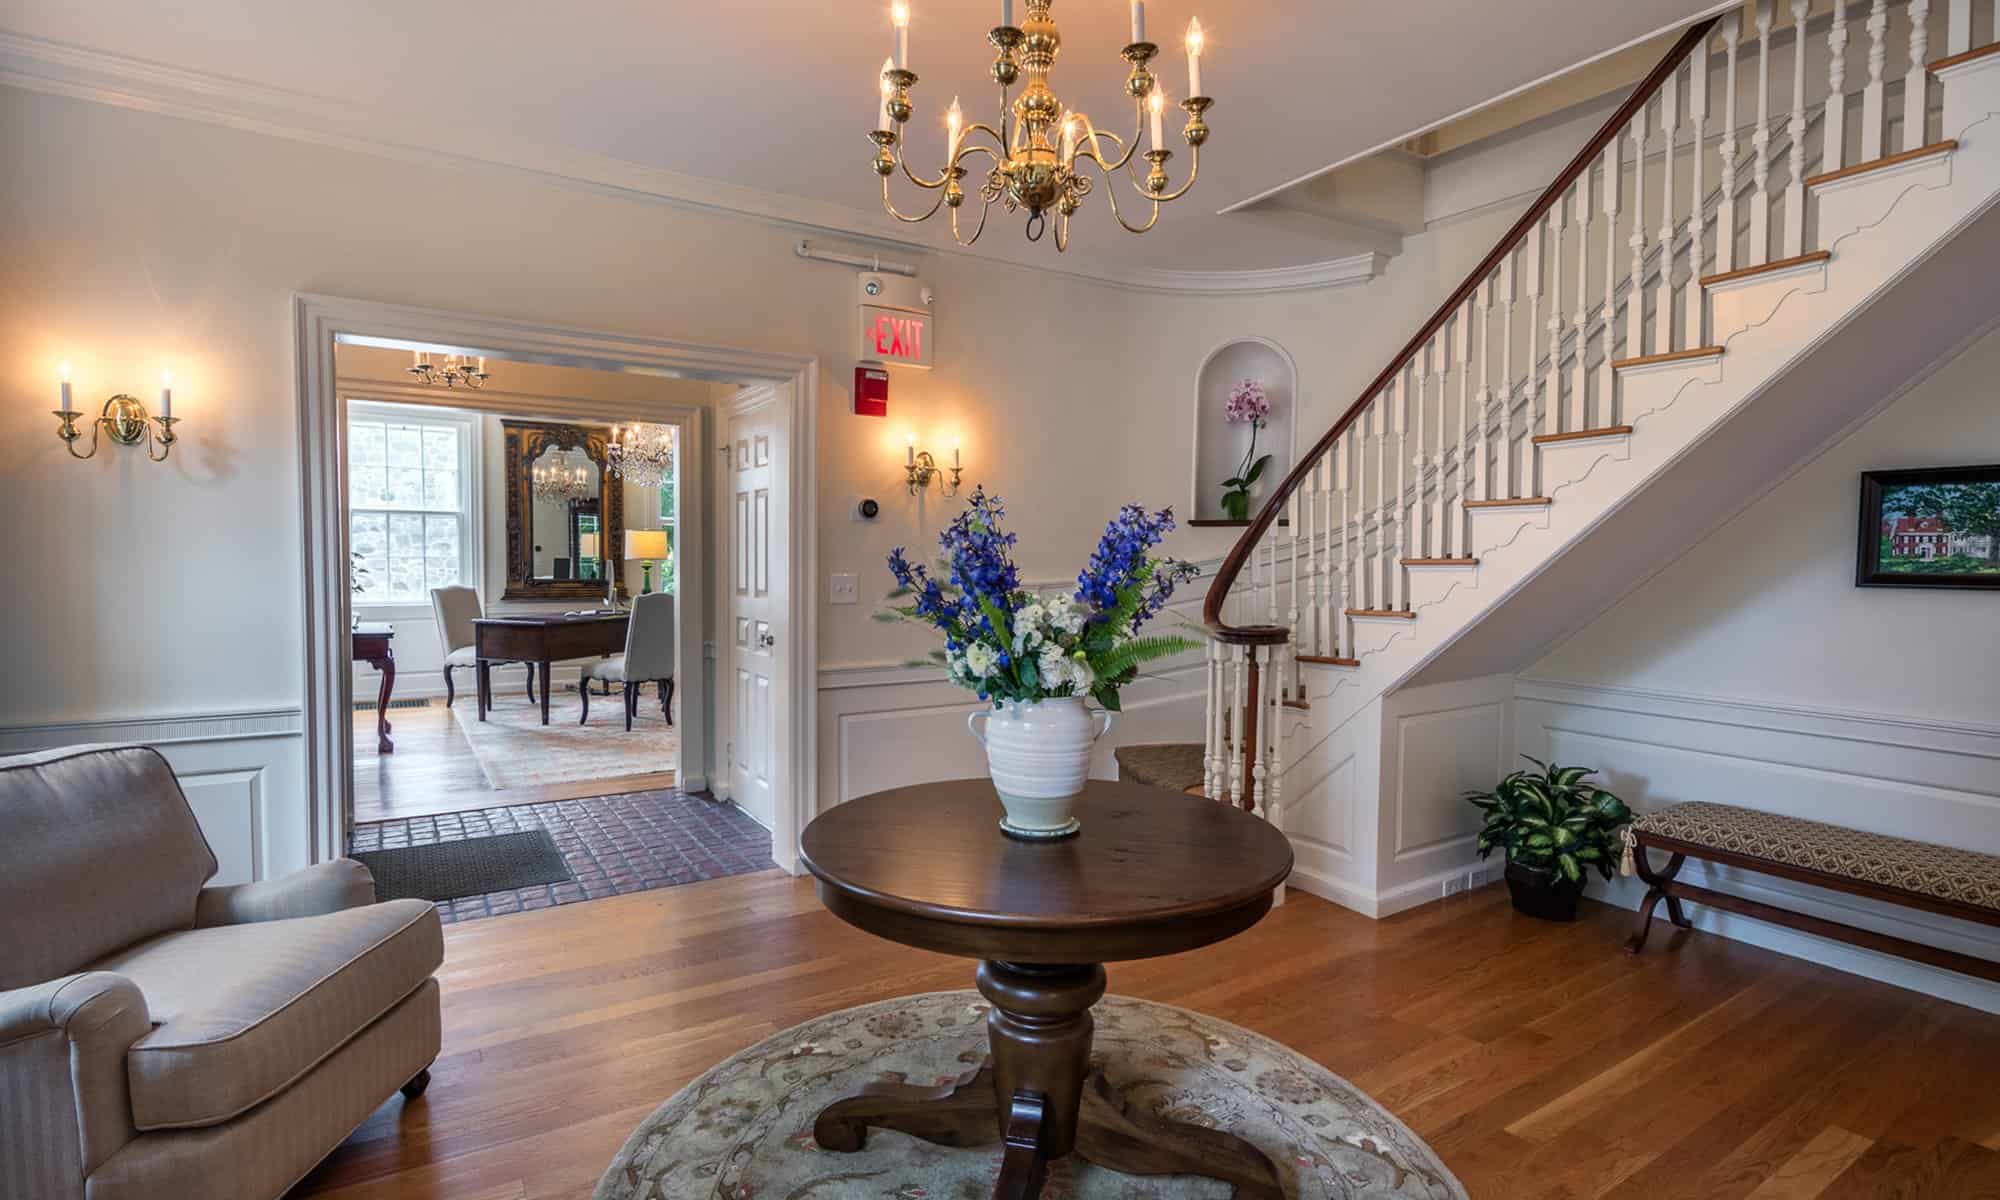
x: 1937, y: 527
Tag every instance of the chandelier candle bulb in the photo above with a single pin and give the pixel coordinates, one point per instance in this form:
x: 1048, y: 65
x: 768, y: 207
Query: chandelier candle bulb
x: 954, y: 122
x: 1138, y: 21
x: 1006, y: 14
x: 899, y: 15
x: 1156, y: 104
x: 1194, y: 40
x: 882, y: 81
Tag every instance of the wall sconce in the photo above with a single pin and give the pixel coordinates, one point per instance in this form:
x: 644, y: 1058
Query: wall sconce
x: 124, y: 420
x: 922, y: 468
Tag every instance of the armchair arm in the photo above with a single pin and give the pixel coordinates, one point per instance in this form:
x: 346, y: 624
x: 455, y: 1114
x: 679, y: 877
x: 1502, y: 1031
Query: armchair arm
x: 62, y: 1052
x: 321, y: 888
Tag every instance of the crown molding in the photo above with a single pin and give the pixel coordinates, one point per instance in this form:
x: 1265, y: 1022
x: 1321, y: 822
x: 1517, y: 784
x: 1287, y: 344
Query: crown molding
x: 56, y: 68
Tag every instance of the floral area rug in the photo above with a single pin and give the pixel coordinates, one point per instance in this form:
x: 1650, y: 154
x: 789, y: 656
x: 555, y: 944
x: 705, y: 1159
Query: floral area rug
x: 515, y: 750
x: 743, y: 1130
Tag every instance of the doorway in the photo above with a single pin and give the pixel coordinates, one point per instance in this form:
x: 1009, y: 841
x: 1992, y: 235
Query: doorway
x: 323, y: 324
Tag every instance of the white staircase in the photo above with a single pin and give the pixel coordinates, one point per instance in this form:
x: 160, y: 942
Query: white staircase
x: 1776, y: 231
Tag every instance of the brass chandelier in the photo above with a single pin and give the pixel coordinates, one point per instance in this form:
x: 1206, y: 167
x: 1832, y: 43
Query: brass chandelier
x: 1039, y: 147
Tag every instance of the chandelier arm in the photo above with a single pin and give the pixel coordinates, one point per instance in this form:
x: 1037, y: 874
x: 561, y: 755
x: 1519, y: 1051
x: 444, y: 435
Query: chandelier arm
x: 1111, y: 194
x: 1062, y: 232
x: 890, y: 205
x: 984, y: 210
x: 1194, y: 172
x: 1093, y: 133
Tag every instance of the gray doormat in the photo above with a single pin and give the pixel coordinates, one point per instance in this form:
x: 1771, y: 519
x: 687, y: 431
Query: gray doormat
x: 472, y: 867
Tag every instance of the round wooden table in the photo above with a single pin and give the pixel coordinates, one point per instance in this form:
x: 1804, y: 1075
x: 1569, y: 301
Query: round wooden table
x: 1153, y: 872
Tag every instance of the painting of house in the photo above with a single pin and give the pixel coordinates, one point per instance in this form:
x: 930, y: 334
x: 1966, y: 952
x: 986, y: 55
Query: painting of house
x: 1932, y: 526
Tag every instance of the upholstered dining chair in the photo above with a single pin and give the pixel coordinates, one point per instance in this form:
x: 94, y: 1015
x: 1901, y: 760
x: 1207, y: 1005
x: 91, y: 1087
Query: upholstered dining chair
x: 648, y: 658
x: 455, y: 609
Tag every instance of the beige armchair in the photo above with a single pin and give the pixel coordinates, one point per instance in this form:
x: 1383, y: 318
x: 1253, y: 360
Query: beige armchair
x: 161, y: 1038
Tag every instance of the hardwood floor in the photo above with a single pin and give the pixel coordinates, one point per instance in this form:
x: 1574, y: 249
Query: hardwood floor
x: 434, y: 771
x: 1539, y: 1060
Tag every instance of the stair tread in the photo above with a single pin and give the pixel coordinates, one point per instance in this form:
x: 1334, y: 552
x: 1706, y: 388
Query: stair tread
x: 1577, y: 435
x: 1174, y: 765
x: 1953, y: 60
x: 1440, y: 562
x: 1325, y: 660
x: 1888, y: 160
x: 1780, y: 264
x: 1299, y: 704
x: 1692, y: 354
x: 1398, y: 613
x: 1516, y: 502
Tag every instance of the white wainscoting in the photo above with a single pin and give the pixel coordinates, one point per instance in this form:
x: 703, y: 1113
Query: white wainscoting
x: 1933, y: 781
x: 243, y: 772
x: 889, y: 726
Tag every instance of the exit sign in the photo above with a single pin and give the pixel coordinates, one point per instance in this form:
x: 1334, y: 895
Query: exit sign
x: 897, y: 336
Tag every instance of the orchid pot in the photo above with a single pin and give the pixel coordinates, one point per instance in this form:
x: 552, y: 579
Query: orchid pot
x: 1038, y: 753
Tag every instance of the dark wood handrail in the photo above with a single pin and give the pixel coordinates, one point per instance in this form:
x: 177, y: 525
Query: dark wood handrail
x: 1614, y: 126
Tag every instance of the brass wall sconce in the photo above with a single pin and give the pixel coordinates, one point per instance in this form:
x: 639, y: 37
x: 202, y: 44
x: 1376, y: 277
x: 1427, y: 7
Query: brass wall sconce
x: 921, y: 469
x: 124, y: 420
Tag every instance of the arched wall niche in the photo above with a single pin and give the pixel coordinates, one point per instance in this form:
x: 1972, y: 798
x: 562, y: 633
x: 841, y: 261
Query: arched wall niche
x: 1219, y: 446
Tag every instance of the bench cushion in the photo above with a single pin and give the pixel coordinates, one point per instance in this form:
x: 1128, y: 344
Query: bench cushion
x: 1163, y: 765
x: 1922, y: 868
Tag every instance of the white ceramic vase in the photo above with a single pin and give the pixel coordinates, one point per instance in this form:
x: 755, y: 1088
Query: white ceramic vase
x: 1039, y: 755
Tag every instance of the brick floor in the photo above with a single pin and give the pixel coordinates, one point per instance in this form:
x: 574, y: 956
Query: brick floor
x: 612, y: 844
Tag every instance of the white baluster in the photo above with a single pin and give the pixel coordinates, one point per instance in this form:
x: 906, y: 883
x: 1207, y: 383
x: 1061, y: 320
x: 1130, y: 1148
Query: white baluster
x: 1273, y: 753
x: 1211, y: 755
x: 1759, y: 250
x: 1833, y: 121
x: 1477, y: 481
x: 1238, y: 698
x: 1347, y: 465
x: 1917, y: 83
x: 1451, y: 502
x: 1692, y: 325
x: 1266, y: 714
x: 1327, y: 471
x: 1286, y: 663
x: 1378, y: 573
x: 1316, y: 552
x: 1271, y: 581
x: 1503, y: 458
x: 1419, y: 406
x: 1795, y: 161
x: 1958, y: 27
x: 1873, y: 106
x: 1607, y: 383
x: 1399, y: 412
x: 1552, y: 374
x: 1663, y: 305
x: 1635, y: 291
x: 1725, y: 213
x: 1579, y: 379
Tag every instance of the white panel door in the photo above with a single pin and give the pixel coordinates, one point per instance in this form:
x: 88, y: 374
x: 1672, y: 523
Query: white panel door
x: 758, y: 548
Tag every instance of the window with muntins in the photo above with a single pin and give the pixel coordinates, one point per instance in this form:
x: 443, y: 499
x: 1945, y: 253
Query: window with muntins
x: 407, y: 505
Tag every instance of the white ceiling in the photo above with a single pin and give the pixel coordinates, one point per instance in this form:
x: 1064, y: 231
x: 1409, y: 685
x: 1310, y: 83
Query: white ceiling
x: 776, y: 96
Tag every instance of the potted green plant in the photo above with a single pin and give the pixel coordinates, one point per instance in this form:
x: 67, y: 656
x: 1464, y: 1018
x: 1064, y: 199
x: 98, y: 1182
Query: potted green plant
x: 1554, y: 825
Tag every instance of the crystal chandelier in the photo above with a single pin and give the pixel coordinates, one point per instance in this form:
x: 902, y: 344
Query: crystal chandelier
x: 1039, y: 149
x: 561, y: 480
x: 449, y: 370
x: 642, y: 455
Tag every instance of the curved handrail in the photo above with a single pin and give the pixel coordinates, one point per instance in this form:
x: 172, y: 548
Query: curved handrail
x: 1239, y: 554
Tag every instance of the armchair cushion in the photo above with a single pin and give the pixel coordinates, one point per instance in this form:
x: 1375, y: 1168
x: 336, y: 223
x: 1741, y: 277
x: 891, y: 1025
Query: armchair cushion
x: 242, y: 1011
x: 67, y: 818
x: 321, y: 888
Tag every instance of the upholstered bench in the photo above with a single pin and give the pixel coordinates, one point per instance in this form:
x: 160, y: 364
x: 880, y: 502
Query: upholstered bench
x: 1162, y: 765
x: 1940, y: 879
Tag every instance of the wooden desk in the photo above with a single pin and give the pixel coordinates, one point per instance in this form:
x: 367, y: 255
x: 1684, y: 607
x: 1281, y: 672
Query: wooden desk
x: 540, y: 639
x: 371, y: 645
x: 1152, y: 872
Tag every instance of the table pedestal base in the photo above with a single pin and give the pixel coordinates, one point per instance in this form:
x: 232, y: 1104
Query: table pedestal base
x: 1038, y: 1095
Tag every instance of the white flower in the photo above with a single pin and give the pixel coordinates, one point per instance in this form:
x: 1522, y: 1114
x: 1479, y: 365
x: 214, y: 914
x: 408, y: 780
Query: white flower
x: 980, y: 659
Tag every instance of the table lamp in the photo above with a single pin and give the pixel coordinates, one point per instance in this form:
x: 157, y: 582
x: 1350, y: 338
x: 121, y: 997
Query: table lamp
x: 648, y: 546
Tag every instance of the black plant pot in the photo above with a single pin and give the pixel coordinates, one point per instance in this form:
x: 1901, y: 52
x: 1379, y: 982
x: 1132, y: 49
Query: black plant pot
x: 1542, y: 894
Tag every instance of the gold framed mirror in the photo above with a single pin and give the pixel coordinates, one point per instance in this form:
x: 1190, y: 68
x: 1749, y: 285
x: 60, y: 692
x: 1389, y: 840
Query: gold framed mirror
x: 565, y: 512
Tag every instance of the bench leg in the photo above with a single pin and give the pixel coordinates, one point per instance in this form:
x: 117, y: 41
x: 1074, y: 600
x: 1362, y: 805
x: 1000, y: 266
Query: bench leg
x: 1655, y: 893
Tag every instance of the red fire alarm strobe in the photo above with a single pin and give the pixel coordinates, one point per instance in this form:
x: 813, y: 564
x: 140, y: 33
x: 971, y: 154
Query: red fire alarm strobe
x: 871, y: 390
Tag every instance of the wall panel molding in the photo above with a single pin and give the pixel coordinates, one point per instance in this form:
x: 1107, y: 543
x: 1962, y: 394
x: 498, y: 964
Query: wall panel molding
x: 1915, y: 777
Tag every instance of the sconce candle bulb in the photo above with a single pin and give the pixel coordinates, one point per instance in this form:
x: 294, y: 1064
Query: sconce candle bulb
x: 166, y: 393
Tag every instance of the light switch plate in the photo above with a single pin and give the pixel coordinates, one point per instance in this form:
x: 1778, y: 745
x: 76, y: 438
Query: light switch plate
x: 844, y: 588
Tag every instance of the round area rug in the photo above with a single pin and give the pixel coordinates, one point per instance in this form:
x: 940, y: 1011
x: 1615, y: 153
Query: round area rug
x: 743, y: 1130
